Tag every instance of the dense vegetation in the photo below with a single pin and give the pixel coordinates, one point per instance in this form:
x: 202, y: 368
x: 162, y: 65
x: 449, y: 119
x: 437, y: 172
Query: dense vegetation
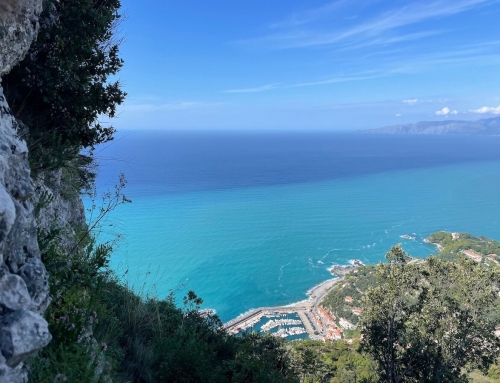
x: 354, y: 285
x: 334, y: 362
x: 102, y: 330
x: 486, y: 247
x: 427, y: 320
x: 431, y: 321
x: 62, y: 87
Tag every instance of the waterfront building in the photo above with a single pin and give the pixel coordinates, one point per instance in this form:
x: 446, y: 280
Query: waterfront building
x: 326, y: 315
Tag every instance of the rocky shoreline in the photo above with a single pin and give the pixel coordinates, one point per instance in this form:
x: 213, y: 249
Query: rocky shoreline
x: 341, y: 270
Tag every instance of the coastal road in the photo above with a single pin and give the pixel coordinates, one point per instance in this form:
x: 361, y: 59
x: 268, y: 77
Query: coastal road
x: 319, y: 292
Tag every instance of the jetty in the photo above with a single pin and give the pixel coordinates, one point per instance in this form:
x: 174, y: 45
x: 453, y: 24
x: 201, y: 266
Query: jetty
x: 304, y: 309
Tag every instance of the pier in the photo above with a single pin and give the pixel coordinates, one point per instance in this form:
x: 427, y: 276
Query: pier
x: 257, y: 314
x: 302, y: 309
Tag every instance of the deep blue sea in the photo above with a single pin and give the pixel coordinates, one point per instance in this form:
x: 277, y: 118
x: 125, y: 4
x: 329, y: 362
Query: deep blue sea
x: 254, y: 219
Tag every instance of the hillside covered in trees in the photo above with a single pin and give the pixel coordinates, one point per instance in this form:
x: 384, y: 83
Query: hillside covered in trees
x: 409, y: 306
x: 482, y: 249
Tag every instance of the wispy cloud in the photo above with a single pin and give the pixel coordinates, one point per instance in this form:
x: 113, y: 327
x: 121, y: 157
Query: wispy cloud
x: 345, y: 78
x: 446, y: 111
x: 421, y: 63
x: 487, y: 110
x: 407, y: 66
x: 419, y: 11
x: 253, y: 90
x: 388, y: 40
x: 413, y: 13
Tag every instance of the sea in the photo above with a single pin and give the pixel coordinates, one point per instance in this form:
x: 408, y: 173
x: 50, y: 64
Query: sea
x: 251, y: 219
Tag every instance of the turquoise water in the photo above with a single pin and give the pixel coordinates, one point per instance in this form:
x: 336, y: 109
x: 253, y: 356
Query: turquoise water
x: 250, y: 220
x: 265, y: 245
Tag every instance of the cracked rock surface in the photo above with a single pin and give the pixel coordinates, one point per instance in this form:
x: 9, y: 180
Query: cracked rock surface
x: 24, y: 290
x: 18, y: 29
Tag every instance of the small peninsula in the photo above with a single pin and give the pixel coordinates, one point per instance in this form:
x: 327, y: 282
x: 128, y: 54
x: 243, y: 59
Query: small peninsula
x: 333, y: 309
x: 483, y: 127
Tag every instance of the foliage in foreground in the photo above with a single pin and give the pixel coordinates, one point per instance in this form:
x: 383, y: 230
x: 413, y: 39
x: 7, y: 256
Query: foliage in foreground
x: 106, y: 328
x: 102, y: 330
x: 431, y: 321
x: 334, y: 362
x: 63, y: 86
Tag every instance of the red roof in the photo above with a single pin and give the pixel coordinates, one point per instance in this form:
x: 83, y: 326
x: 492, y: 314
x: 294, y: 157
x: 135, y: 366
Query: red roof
x: 325, y: 314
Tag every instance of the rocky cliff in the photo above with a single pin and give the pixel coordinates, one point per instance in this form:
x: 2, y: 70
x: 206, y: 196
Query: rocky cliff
x: 24, y: 290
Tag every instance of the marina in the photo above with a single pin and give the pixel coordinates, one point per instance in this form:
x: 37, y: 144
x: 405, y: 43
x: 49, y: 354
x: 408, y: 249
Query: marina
x: 292, y: 321
x: 279, y: 323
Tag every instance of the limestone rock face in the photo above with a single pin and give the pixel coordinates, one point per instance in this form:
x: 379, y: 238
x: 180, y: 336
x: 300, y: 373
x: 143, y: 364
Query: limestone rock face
x: 22, y: 331
x: 18, y: 28
x: 65, y: 210
x: 24, y: 291
x: 13, y: 292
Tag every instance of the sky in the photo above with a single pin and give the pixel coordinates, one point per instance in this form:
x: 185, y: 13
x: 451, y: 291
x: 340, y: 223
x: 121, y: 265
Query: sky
x: 307, y: 65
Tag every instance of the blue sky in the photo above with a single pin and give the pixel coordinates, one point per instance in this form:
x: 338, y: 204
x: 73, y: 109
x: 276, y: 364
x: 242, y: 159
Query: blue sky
x: 328, y: 65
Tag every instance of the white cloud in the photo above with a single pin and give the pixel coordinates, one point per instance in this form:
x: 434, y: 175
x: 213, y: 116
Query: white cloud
x: 411, y: 101
x: 487, y: 110
x: 398, y: 115
x: 253, y: 90
x: 446, y: 111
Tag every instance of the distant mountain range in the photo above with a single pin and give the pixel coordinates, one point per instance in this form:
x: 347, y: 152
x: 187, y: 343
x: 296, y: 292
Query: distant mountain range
x: 484, y: 127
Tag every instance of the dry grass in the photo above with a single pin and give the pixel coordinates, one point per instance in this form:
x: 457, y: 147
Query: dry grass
x: 477, y: 377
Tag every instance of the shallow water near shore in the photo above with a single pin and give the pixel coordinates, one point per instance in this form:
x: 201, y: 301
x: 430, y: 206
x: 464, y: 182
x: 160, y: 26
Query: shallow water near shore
x: 251, y: 220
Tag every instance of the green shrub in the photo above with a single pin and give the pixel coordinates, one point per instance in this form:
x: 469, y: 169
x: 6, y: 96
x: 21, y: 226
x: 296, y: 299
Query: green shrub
x: 102, y: 329
x: 63, y: 85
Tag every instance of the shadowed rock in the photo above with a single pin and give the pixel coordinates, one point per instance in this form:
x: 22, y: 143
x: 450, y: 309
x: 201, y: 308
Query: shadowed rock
x: 24, y: 293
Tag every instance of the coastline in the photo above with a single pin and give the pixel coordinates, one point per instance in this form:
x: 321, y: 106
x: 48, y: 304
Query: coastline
x: 312, y: 290
x: 439, y: 247
x: 315, y: 293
